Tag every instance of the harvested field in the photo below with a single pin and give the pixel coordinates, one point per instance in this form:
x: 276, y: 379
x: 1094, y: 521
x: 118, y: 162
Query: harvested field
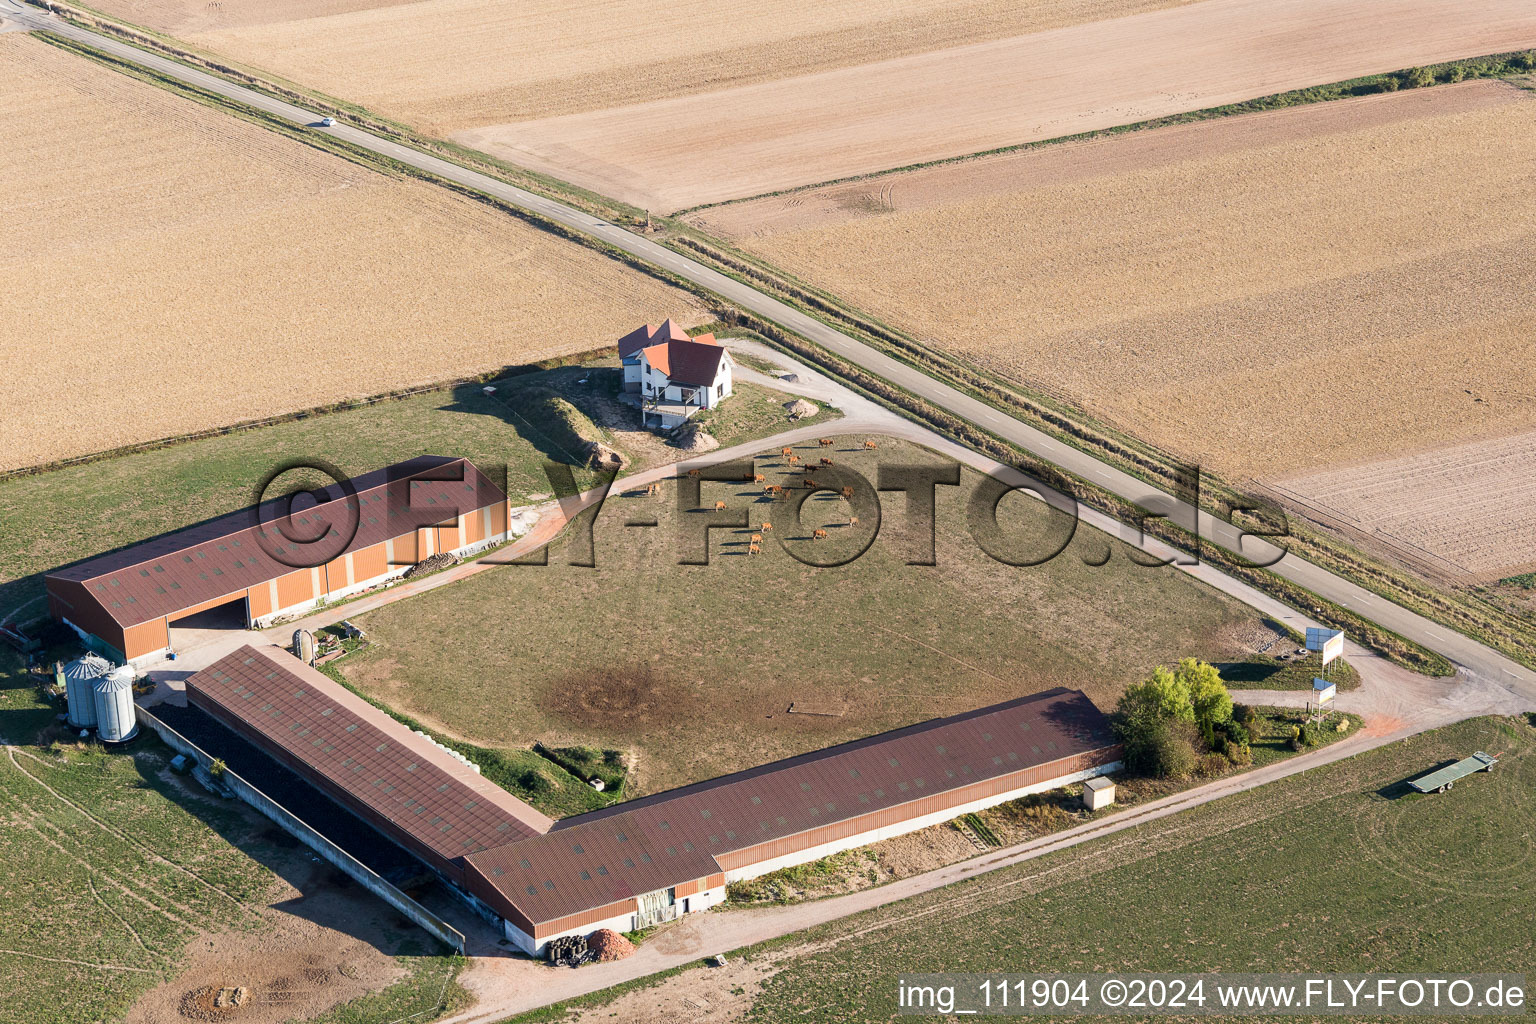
x: 1263, y: 295
x: 693, y: 668
x: 754, y: 139
x: 446, y: 65
x: 1464, y: 510
x: 221, y: 272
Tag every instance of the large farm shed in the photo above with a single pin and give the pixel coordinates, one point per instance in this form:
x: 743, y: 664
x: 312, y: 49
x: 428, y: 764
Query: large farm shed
x: 374, y: 527
x: 653, y: 859
x: 396, y: 780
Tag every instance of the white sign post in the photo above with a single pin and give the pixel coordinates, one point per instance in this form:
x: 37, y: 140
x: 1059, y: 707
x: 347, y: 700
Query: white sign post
x: 1323, y: 691
x: 1328, y: 641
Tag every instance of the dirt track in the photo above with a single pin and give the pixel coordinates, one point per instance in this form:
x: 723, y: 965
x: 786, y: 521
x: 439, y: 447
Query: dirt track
x: 674, y: 153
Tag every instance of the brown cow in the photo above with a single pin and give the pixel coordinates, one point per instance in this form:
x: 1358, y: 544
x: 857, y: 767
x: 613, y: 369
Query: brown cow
x: 767, y: 526
x: 810, y: 482
x: 794, y: 460
x: 853, y: 521
x: 819, y: 535
x: 693, y: 473
x: 756, y: 539
x: 848, y: 493
x: 719, y: 506
x: 753, y: 549
x: 826, y: 462
x: 825, y: 442
x: 786, y: 452
x: 654, y: 487
x: 758, y: 478
x: 870, y: 444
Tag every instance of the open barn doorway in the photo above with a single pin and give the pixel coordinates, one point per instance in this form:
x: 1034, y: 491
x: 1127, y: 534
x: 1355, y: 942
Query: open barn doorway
x: 210, y: 625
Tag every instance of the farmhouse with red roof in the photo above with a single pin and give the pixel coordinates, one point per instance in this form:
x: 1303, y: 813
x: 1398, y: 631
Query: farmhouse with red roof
x: 675, y: 375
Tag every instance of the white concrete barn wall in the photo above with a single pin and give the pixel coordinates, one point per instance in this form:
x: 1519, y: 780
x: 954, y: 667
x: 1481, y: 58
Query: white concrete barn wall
x: 714, y: 897
x: 789, y: 860
x: 622, y: 923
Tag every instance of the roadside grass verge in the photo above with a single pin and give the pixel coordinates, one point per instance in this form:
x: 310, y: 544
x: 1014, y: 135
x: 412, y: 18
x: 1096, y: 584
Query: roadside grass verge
x: 1264, y: 672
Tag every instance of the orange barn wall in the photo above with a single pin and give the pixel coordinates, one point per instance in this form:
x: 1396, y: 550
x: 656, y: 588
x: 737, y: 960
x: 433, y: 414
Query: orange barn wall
x: 295, y: 588
x: 145, y: 638
x: 474, y: 527
x: 369, y: 563
x: 259, y: 600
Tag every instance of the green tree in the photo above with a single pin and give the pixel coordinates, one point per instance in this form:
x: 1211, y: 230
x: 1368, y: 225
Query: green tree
x: 1210, y: 703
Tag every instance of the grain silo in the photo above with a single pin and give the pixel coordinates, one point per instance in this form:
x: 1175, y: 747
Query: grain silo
x: 79, y: 675
x: 116, y: 721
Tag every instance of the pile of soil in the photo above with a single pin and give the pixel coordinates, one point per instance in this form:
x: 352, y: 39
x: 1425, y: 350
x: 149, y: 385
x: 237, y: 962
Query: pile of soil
x: 800, y: 408
x: 608, y: 945
x: 600, y: 456
x: 692, y: 438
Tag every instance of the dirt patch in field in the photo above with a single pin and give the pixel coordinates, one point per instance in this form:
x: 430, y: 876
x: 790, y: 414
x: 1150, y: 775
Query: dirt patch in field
x: 820, y: 127
x: 191, y: 246
x: 319, y: 947
x: 627, y: 697
x: 1261, y: 295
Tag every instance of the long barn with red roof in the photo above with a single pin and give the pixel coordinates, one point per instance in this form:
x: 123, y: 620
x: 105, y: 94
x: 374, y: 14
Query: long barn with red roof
x: 277, y: 559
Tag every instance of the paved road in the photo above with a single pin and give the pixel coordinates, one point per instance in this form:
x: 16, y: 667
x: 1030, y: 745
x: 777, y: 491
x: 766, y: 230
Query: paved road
x: 1464, y: 651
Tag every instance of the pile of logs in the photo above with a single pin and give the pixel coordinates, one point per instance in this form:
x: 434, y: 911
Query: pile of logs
x: 432, y: 564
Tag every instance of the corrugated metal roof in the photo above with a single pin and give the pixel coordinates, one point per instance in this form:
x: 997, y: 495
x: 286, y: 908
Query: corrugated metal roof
x: 385, y: 768
x: 660, y: 841
x: 163, y: 575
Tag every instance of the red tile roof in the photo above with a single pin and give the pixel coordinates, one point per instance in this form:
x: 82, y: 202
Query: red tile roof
x: 656, y: 842
x: 643, y: 337
x: 163, y: 575
x: 384, y: 769
x: 696, y: 363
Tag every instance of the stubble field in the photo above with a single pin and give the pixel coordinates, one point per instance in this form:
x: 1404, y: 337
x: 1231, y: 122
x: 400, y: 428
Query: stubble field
x: 727, y: 143
x: 171, y: 268
x: 1463, y: 512
x: 1262, y: 295
x: 446, y: 65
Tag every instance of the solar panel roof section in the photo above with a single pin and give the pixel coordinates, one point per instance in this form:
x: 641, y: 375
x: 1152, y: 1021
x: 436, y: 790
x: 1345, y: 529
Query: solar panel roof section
x: 384, y: 767
x: 659, y: 841
x: 166, y: 574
